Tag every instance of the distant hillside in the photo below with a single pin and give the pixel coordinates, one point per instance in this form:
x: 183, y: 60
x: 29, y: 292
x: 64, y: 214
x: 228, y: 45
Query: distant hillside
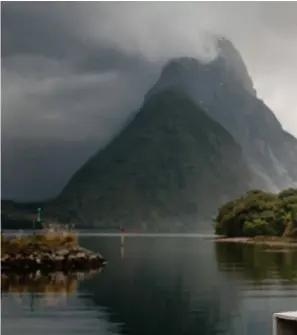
x: 18, y: 215
x: 171, y: 166
x: 224, y: 90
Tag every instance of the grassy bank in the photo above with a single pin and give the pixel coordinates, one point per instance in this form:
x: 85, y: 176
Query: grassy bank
x: 50, y: 238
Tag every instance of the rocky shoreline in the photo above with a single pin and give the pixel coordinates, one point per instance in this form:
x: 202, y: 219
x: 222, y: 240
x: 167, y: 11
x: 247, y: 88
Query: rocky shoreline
x: 43, y: 258
x: 265, y: 241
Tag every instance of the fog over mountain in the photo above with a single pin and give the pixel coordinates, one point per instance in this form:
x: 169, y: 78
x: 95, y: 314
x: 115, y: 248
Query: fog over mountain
x: 72, y: 73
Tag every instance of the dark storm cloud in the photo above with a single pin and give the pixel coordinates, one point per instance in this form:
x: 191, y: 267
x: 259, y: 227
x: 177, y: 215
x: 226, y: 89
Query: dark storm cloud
x: 63, y: 97
x: 52, y: 75
x: 74, y: 71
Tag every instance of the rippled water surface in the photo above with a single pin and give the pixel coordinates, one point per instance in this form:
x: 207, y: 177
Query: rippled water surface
x: 157, y: 285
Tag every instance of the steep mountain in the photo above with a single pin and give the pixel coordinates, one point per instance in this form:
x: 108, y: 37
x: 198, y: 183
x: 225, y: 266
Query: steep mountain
x: 171, y: 165
x: 224, y: 90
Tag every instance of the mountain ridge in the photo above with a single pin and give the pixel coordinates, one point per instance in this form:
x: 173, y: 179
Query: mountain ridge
x: 225, y: 91
x: 171, y: 164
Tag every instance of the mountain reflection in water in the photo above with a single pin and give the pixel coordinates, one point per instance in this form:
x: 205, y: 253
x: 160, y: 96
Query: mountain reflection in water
x: 180, y: 285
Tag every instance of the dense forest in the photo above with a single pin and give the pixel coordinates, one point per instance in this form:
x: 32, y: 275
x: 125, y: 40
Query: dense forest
x: 259, y: 213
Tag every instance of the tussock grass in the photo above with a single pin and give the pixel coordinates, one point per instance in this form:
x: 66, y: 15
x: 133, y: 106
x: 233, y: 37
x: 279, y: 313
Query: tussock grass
x: 53, y: 237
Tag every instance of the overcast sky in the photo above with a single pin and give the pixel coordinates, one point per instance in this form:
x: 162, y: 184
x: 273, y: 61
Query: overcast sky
x: 72, y: 72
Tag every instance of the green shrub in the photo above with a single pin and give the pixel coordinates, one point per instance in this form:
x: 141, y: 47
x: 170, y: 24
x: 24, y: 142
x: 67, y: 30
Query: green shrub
x: 256, y: 227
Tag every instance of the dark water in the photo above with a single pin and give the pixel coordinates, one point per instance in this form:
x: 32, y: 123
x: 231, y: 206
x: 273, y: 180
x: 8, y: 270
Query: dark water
x: 158, y: 285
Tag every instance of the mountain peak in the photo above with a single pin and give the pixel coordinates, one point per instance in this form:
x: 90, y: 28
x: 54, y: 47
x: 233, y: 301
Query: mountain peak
x: 224, y: 90
x: 227, y: 69
x: 232, y: 61
x: 225, y: 46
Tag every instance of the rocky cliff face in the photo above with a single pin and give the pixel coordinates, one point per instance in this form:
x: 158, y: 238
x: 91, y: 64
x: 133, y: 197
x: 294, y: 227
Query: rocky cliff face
x: 224, y: 90
x: 171, y: 166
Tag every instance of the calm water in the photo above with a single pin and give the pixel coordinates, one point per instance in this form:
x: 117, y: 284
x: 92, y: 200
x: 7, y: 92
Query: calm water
x: 157, y: 285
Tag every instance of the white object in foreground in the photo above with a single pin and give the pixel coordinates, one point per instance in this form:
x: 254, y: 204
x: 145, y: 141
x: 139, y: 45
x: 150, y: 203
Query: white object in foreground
x: 285, y: 323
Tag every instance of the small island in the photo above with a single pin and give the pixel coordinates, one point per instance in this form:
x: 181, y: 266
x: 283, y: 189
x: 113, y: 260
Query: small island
x: 48, y: 250
x: 259, y: 217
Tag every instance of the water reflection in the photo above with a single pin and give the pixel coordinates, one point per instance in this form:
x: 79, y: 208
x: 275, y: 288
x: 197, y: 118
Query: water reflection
x: 157, y: 285
x: 52, y: 289
x: 257, y: 262
x: 164, y: 286
x: 52, y: 305
x: 122, y: 247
